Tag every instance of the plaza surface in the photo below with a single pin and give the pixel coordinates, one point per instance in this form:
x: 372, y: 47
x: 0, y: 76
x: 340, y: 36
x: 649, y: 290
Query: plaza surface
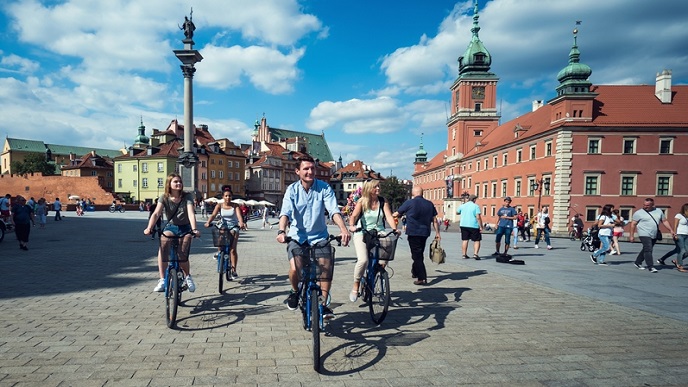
x: 78, y: 310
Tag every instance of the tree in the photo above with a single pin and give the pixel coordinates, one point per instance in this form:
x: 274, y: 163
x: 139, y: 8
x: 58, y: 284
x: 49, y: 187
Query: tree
x: 393, y: 191
x: 34, y: 162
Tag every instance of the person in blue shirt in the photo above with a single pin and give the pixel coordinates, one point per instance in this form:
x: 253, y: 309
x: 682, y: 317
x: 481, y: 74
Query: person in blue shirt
x: 471, y: 226
x: 420, y: 216
x: 505, y: 226
x: 303, y: 210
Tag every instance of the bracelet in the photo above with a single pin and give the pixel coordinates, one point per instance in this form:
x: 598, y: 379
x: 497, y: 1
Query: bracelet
x: 280, y: 232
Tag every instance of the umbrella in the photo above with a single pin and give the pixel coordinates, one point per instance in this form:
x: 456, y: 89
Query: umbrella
x: 212, y: 200
x: 74, y: 197
x: 252, y: 202
x: 239, y: 201
x: 265, y: 203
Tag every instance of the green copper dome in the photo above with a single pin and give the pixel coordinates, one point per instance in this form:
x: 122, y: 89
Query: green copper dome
x: 141, y: 138
x: 574, y: 77
x: 476, y: 58
x: 421, y: 154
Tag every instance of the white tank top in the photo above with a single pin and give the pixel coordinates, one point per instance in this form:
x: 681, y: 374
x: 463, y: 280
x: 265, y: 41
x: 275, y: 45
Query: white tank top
x: 229, y: 215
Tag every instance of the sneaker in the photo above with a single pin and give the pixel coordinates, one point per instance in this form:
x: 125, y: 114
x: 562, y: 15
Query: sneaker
x: 327, y: 313
x: 612, y: 253
x: 293, y: 300
x: 661, y: 262
x: 234, y: 274
x: 353, y: 296
x: 593, y: 259
x: 653, y: 270
x: 602, y: 263
x: 495, y: 254
x: 160, y: 287
x: 190, y: 284
x: 638, y: 266
x: 537, y: 247
x: 549, y: 247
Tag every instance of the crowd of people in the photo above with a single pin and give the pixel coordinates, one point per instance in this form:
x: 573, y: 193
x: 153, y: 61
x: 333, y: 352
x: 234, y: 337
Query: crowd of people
x: 19, y: 214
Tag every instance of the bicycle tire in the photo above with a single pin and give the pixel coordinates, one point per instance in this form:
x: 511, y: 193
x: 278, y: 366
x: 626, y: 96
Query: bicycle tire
x: 379, y: 297
x: 572, y: 235
x: 315, y: 328
x: 228, y: 268
x: 220, y: 271
x: 171, y: 298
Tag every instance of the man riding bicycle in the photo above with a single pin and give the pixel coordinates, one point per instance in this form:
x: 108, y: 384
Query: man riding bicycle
x: 303, y: 210
x: 577, y: 226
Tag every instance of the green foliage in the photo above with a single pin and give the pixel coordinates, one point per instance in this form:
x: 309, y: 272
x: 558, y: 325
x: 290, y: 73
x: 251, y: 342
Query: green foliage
x: 34, y: 162
x: 393, y: 191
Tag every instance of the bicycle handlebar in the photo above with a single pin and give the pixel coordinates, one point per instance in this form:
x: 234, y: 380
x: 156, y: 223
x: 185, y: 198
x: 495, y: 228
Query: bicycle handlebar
x: 329, y: 239
x: 379, y: 235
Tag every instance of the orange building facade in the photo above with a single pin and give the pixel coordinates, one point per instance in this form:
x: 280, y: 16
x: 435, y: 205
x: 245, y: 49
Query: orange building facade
x: 588, y: 146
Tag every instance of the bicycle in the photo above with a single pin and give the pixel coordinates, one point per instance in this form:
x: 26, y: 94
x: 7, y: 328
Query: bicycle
x: 313, y: 270
x: 175, y: 282
x: 374, y: 287
x: 575, y: 233
x: 223, y: 237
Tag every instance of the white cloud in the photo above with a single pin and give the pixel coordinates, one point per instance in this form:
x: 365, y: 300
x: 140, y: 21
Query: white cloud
x: 22, y: 65
x: 379, y: 115
x: 267, y: 69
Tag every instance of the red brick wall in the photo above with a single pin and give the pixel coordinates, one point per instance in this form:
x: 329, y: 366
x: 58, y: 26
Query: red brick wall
x: 51, y: 187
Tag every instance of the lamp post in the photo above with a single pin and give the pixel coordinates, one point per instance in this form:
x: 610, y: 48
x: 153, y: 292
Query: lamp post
x: 464, y: 196
x: 538, y: 185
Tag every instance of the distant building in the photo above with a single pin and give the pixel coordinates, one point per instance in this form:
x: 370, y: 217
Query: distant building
x: 304, y: 142
x: 588, y: 146
x: 16, y: 150
x: 92, y: 164
x: 347, y: 179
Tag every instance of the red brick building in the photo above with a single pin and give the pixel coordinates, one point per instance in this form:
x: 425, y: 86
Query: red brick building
x: 588, y: 146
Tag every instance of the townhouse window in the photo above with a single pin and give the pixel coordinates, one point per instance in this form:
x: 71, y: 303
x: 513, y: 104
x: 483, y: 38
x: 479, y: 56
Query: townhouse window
x: 592, y: 184
x: 664, y: 185
x: 666, y: 146
x: 144, y: 167
x: 519, y: 155
x: 628, y: 185
x: 517, y: 190
x: 548, y: 149
x: 531, y: 187
x: 469, y: 182
x: 203, y: 164
x: 532, y: 152
x: 134, y: 168
x: 494, y: 162
x: 220, y: 161
x: 160, y: 167
x: 212, y: 174
x: 222, y: 174
x: 626, y: 212
x: 547, y: 185
x: 593, y: 145
x: 484, y: 210
x: 204, y: 176
x: 485, y: 193
x: 493, y: 211
x: 229, y: 175
x: 477, y: 190
x: 212, y: 187
x: 94, y: 173
x: 119, y: 183
x: 505, y: 158
x: 494, y: 190
x: 478, y: 106
x: 590, y: 214
x: 236, y: 175
x: 160, y: 182
x: 629, y: 146
x: 119, y: 168
x: 485, y: 162
x: 134, y: 183
x: 504, y: 189
x: 144, y: 182
x: 212, y: 161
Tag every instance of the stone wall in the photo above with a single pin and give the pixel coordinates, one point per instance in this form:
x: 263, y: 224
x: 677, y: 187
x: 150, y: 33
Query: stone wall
x: 51, y: 187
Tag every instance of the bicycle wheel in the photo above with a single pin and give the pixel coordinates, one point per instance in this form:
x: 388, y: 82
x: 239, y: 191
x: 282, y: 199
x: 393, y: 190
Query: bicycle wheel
x: 228, y: 268
x: 220, y: 271
x: 315, y: 328
x: 171, y: 298
x: 572, y: 235
x: 379, y: 296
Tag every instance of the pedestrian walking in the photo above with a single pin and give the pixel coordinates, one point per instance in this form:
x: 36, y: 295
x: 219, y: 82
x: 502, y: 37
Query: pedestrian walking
x: 41, y: 212
x: 57, y: 207
x: 646, y: 223
x: 605, y: 222
x: 421, y: 216
x: 471, y: 226
x: 22, y: 218
x: 681, y: 237
x: 542, y: 221
x: 505, y: 226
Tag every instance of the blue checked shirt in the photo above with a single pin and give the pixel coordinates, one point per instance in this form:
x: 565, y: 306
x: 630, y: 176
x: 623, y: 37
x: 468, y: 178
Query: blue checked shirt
x: 306, y: 210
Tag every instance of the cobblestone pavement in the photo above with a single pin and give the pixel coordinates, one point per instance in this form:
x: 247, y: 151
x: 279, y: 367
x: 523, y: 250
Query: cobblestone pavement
x: 78, y: 310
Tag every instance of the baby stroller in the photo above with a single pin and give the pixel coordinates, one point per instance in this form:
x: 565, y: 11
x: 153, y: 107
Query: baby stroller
x: 591, y: 240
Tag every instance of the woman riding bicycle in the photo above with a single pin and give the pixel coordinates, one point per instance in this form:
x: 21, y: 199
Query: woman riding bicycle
x: 179, y: 210
x: 370, y: 213
x: 231, y: 213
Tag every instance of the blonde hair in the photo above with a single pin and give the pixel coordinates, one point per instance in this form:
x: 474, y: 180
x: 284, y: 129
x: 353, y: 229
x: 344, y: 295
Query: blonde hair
x: 367, y: 193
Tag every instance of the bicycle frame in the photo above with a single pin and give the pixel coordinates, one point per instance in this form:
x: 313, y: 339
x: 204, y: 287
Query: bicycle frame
x: 174, y: 281
x: 225, y: 240
x: 370, y: 279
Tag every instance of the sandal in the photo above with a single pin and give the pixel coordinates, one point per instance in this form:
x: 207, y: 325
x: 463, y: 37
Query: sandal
x: 465, y: 257
x: 682, y: 269
x: 476, y: 257
x: 676, y: 264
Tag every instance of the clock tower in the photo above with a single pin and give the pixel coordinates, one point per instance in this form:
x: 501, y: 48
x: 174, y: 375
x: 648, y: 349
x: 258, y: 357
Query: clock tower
x: 474, y: 99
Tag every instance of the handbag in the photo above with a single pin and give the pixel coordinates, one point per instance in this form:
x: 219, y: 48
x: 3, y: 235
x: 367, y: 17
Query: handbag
x: 658, y: 237
x: 437, y: 253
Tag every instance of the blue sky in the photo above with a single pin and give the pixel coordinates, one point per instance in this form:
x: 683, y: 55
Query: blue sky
x: 371, y: 75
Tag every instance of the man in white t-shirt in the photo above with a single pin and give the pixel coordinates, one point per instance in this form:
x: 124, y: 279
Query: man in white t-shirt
x: 646, y: 223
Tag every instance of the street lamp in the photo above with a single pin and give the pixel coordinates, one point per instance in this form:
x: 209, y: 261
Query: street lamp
x: 464, y: 196
x: 537, y: 186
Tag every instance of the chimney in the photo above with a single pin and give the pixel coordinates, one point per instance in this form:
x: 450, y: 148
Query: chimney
x: 537, y: 104
x: 663, y: 86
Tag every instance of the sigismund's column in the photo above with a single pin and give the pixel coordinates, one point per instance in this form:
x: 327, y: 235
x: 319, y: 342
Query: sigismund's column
x: 188, y: 56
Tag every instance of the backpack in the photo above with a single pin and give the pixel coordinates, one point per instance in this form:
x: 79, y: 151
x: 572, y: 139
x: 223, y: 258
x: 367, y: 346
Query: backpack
x: 520, y: 221
x: 437, y: 253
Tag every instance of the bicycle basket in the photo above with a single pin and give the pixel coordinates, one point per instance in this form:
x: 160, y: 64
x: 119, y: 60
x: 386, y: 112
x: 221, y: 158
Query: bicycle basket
x: 387, y: 248
x: 321, y: 269
x: 220, y: 237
